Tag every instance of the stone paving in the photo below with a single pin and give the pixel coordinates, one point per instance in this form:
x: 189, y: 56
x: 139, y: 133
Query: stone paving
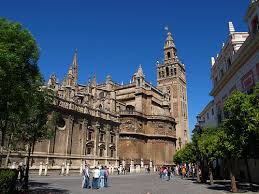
x: 124, y: 184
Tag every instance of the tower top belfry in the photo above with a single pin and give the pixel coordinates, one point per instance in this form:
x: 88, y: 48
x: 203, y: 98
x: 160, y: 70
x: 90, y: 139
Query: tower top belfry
x: 169, y: 43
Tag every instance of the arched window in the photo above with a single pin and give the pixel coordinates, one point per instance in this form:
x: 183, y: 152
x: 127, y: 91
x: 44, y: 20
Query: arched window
x: 101, y: 95
x: 168, y: 55
x: 61, y: 122
x: 167, y: 71
x: 130, y: 109
x: 138, y: 81
x: 175, y: 72
x: 101, y: 152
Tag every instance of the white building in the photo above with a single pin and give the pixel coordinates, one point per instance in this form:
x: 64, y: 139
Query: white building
x: 235, y: 68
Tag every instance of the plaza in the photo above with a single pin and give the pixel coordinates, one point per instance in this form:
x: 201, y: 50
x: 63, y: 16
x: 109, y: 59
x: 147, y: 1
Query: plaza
x: 125, y: 184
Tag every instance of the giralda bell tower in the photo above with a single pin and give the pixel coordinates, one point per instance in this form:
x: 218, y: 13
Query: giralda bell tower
x: 171, y: 78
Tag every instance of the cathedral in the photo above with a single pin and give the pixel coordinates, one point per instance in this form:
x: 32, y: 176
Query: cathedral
x: 135, y: 124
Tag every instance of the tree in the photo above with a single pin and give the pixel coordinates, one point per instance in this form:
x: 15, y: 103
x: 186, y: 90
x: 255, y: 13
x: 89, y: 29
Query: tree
x: 240, y: 123
x: 36, y: 122
x: 18, y: 71
x: 185, y: 155
x: 208, y: 147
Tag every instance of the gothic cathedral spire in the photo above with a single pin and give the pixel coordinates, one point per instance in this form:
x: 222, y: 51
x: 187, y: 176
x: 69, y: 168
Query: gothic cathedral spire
x: 75, y: 67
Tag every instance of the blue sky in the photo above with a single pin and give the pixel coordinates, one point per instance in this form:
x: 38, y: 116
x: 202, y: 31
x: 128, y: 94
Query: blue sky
x: 115, y: 36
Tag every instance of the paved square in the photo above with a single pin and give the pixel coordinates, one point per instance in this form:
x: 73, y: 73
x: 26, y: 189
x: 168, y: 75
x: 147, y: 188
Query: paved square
x: 122, y: 184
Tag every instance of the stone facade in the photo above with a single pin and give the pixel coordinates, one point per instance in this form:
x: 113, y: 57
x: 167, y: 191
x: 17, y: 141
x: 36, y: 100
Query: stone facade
x: 114, y: 124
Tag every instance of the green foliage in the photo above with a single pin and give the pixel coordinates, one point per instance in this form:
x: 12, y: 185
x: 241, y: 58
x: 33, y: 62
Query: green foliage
x: 7, y: 181
x: 18, y: 72
x: 208, y: 144
x: 240, y: 124
x: 185, y: 155
x: 35, y: 122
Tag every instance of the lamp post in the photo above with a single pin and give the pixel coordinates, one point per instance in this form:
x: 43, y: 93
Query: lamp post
x: 199, y: 165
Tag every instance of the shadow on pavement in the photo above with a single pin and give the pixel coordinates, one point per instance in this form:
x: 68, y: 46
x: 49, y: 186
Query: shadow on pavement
x: 44, y: 188
x: 226, y: 186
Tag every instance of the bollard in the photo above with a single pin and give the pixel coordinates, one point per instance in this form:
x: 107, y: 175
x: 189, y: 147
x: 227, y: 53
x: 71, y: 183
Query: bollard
x: 63, y: 169
x: 110, y: 169
x: 40, y: 169
x: 67, y: 170
x: 46, y: 169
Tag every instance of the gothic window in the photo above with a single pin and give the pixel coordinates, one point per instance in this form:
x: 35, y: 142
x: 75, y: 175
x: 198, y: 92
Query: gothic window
x: 101, y: 95
x: 212, y: 111
x: 159, y: 74
x: 101, y: 152
x: 89, y: 135
x: 172, y: 72
x: 112, y: 153
x: 102, y: 137
x: 100, y: 107
x: 167, y: 71
x: 89, y: 150
x: 163, y: 74
x: 130, y: 109
x: 168, y: 55
x: 138, y: 82
x: 175, y: 71
x: 112, y: 138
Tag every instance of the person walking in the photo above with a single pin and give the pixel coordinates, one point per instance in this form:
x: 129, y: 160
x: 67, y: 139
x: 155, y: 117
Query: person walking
x: 102, y: 174
x: 183, y: 171
x: 165, y: 173
x: 161, y: 172
x: 96, y: 176
x: 169, y: 174
x: 86, y: 180
x: 106, y: 174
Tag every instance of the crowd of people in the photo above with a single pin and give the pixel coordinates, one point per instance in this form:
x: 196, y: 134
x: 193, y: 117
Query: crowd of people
x: 99, y: 178
x: 165, y: 173
x: 100, y: 175
x: 183, y: 170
